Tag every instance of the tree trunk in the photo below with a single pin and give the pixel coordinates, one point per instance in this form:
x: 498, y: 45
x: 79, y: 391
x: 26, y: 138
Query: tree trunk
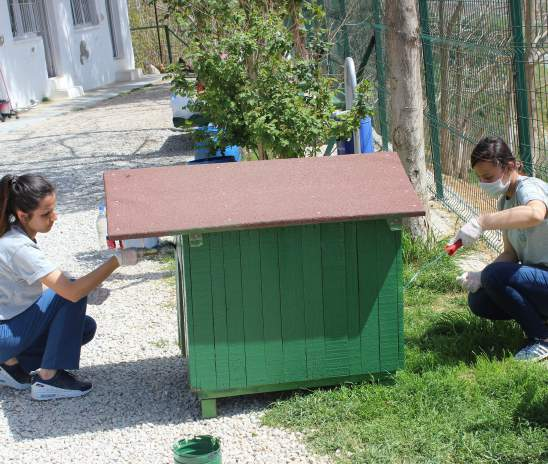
x: 299, y: 39
x: 448, y: 161
x: 406, y: 106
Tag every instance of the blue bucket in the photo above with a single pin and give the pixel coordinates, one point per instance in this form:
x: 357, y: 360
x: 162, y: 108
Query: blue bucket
x: 202, y: 149
x: 366, y: 140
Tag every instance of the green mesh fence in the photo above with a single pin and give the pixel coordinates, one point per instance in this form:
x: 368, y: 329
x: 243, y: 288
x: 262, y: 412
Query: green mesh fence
x: 485, y: 73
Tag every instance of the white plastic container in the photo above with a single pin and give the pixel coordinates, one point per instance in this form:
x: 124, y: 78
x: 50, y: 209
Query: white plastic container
x: 179, y: 107
x: 101, y: 224
x: 149, y: 242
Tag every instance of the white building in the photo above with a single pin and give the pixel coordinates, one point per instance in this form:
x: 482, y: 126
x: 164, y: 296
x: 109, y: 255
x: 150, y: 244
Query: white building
x: 56, y: 48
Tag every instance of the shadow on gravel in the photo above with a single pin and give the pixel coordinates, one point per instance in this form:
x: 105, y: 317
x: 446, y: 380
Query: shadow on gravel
x: 78, y: 166
x: 127, y: 394
x: 124, y: 395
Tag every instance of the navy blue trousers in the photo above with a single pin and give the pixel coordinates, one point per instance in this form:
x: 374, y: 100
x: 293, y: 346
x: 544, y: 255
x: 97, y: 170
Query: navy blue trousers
x: 48, y: 334
x: 512, y: 291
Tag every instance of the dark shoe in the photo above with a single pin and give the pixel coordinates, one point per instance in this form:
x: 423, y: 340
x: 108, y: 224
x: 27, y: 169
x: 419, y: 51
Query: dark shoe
x: 62, y: 385
x: 14, y: 377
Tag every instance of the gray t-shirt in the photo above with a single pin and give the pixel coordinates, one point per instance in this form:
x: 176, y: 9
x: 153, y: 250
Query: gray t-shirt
x: 22, y: 265
x: 531, y: 244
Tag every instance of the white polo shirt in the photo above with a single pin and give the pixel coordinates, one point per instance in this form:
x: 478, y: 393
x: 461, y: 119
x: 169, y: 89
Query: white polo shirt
x: 22, y: 265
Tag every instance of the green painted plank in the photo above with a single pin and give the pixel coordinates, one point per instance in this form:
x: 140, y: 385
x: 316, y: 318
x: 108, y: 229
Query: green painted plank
x: 218, y: 299
x: 307, y: 384
x: 179, y: 294
x: 387, y: 272
x: 292, y: 304
x: 368, y: 292
x: 204, y: 340
x: 313, y: 301
x: 252, y: 307
x: 352, y: 298
x: 401, y: 339
x: 334, y: 299
x: 270, y: 293
x: 234, y: 310
x: 189, y: 328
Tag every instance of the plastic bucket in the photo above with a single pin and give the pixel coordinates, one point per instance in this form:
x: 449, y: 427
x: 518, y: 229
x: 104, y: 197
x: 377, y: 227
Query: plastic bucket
x: 212, y: 159
x: 366, y: 139
x: 202, y: 148
x: 203, y: 449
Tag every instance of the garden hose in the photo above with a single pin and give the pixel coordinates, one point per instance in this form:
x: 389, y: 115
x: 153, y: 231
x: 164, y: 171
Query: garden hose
x: 449, y: 249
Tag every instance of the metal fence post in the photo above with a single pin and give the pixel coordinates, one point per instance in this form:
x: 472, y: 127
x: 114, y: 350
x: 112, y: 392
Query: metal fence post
x: 381, y: 75
x: 430, y: 79
x: 346, y: 41
x: 168, y: 45
x: 520, y: 84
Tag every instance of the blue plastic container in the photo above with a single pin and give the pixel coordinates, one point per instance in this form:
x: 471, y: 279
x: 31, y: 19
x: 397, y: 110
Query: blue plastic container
x: 213, y: 159
x: 202, y: 150
x: 366, y: 140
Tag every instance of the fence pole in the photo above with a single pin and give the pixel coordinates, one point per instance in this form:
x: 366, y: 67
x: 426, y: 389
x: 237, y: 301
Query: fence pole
x: 158, y: 33
x: 346, y: 41
x: 381, y: 74
x: 428, y: 58
x: 520, y: 83
x: 168, y: 45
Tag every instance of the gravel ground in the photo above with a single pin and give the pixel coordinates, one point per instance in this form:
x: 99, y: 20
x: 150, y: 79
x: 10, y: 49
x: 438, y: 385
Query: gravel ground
x: 141, y: 402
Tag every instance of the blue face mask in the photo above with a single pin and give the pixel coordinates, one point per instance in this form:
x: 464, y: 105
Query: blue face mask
x: 495, y: 189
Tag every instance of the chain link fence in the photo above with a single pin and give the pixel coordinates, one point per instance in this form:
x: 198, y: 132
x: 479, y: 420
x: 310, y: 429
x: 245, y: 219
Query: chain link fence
x: 485, y: 73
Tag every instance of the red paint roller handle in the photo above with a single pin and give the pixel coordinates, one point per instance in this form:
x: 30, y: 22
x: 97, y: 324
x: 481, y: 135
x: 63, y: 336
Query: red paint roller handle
x: 451, y: 249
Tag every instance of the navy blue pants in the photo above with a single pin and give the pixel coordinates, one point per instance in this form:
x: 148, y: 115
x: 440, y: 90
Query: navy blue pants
x: 49, y: 334
x: 511, y: 291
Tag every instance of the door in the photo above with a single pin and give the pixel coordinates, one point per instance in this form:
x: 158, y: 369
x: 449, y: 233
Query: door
x: 112, y: 17
x: 45, y: 32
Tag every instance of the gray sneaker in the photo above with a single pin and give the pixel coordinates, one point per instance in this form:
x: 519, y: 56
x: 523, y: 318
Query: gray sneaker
x: 62, y: 385
x: 537, y: 350
x: 14, y: 377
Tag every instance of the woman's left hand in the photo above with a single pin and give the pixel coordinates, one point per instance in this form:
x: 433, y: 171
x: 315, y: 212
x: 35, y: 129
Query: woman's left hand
x: 470, y: 281
x: 98, y: 296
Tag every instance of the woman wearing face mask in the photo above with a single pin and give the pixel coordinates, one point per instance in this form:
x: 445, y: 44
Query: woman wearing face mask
x: 515, y: 285
x: 41, y: 331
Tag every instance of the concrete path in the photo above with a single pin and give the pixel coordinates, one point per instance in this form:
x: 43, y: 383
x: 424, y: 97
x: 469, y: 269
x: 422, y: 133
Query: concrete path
x: 44, y: 111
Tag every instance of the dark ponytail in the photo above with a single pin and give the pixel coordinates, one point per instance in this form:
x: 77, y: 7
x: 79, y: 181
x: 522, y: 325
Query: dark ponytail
x: 21, y: 193
x: 494, y: 150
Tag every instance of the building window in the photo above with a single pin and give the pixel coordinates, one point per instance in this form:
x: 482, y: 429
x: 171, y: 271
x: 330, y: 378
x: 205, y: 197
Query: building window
x: 83, y: 12
x: 24, y: 17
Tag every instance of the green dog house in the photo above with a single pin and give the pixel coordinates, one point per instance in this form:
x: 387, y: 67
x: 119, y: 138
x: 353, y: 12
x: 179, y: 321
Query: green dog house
x: 289, y: 272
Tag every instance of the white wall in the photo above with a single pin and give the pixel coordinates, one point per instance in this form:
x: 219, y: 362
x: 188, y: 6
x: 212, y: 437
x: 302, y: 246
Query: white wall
x: 99, y: 68
x: 22, y: 63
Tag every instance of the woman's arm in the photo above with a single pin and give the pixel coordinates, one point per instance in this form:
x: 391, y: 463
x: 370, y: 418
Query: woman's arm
x: 519, y: 217
x: 508, y: 254
x: 74, y: 290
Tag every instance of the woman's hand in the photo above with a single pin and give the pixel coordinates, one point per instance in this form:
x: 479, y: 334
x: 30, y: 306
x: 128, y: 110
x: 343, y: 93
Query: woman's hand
x: 470, y: 281
x: 469, y: 233
x: 127, y: 256
x: 98, y: 296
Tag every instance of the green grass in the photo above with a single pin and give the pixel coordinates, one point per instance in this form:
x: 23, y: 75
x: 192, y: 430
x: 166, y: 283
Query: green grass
x: 461, y: 398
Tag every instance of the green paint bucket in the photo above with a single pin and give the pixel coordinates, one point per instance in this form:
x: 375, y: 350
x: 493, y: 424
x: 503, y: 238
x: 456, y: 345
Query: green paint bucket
x: 203, y: 449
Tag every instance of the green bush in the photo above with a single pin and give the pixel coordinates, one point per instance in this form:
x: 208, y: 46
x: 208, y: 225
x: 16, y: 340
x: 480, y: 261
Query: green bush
x: 254, y: 85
